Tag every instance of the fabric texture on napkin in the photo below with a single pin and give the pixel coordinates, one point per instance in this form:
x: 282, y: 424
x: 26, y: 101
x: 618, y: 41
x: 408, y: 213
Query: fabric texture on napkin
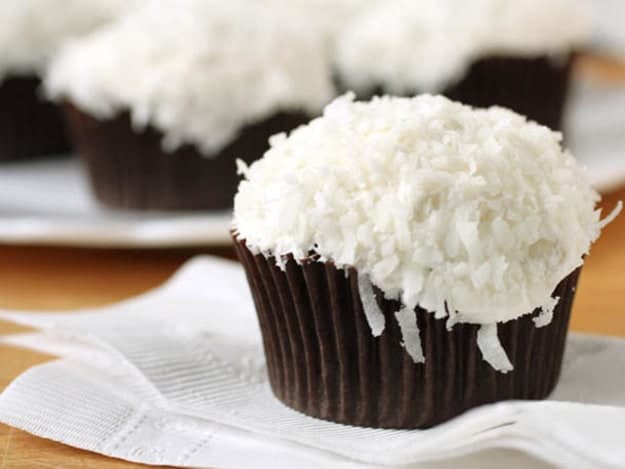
x: 177, y: 377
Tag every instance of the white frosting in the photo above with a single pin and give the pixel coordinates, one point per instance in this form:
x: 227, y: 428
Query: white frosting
x: 409, y: 45
x: 472, y: 211
x: 33, y: 30
x: 198, y: 70
x: 328, y: 16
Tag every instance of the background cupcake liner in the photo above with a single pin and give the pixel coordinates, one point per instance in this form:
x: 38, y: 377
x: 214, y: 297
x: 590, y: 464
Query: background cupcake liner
x: 129, y: 169
x: 323, y: 360
x: 29, y: 125
x: 535, y: 87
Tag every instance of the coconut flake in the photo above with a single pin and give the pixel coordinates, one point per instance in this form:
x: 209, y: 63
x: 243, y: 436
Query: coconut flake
x: 492, y: 351
x: 373, y: 313
x: 453, y: 318
x: 411, y: 340
x: 242, y: 167
x: 613, y: 214
x: 546, y: 315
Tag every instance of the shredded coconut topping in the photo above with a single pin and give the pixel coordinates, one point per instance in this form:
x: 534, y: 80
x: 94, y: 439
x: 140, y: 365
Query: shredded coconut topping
x: 411, y: 340
x: 375, y: 317
x: 33, y: 30
x: 198, y: 70
x: 426, y: 45
x: 491, y: 348
x: 546, y: 314
x: 475, y: 213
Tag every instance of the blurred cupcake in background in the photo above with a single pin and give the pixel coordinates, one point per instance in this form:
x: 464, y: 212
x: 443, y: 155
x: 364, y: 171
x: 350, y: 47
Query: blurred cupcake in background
x: 32, y: 31
x: 516, y: 54
x: 163, y: 102
x: 328, y: 16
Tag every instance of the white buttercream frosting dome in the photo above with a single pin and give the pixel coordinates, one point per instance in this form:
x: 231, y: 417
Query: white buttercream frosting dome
x: 33, y: 30
x: 473, y: 211
x: 197, y: 70
x: 409, y: 45
x: 472, y: 214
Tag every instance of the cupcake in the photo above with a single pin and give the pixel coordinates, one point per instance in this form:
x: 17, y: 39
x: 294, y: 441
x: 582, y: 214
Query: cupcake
x: 483, y: 53
x: 412, y: 258
x: 32, y: 30
x: 161, y: 103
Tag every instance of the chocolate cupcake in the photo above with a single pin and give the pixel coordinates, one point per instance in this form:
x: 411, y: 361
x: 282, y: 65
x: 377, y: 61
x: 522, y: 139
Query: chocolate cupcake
x: 413, y: 258
x: 30, y: 126
x: 161, y: 103
x: 492, y: 52
x: 32, y: 31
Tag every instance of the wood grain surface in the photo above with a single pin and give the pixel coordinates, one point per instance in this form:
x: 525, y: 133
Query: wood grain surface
x: 62, y: 279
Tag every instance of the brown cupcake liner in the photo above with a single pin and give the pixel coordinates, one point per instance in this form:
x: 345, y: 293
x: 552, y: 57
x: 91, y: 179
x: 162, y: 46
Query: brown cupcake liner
x: 535, y: 87
x: 323, y: 361
x: 29, y: 125
x: 130, y: 170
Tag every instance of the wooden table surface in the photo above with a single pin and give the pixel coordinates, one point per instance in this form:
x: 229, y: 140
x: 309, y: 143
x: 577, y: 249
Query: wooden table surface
x: 62, y: 279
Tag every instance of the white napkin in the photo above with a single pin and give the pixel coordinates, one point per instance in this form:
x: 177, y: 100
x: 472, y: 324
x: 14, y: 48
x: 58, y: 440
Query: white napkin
x: 177, y: 377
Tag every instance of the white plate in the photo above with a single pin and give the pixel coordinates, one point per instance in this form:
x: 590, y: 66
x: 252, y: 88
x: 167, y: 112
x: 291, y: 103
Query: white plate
x: 595, y: 132
x: 48, y: 201
x: 609, y: 34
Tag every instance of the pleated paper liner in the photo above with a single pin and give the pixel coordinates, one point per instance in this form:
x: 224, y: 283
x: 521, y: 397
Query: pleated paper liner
x: 130, y: 169
x: 30, y: 126
x: 534, y: 87
x: 323, y: 360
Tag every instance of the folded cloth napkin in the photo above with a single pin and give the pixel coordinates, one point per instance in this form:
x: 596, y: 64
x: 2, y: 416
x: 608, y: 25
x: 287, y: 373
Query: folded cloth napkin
x: 177, y: 377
